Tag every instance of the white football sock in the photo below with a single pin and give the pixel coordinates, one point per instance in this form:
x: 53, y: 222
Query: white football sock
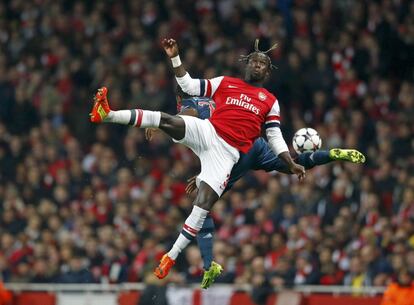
x: 192, y: 225
x: 135, y: 117
x: 119, y: 117
x: 148, y: 119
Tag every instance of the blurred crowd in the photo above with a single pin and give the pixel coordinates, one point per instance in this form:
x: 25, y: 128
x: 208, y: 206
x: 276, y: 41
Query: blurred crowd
x: 83, y: 203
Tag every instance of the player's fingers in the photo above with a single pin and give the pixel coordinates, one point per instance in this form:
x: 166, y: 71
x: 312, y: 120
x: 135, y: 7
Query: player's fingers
x: 147, y: 134
x: 165, y: 43
x: 189, y: 188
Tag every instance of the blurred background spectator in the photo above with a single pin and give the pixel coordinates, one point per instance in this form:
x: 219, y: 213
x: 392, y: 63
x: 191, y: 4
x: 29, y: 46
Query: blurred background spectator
x: 6, y: 296
x: 85, y: 203
x: 401, y: 292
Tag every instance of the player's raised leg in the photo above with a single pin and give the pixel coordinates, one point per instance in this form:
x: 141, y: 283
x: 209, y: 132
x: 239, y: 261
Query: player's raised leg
x: 101, y: 112
x: 266, y: 160
x: 216, y: 156
x: 319, y: 157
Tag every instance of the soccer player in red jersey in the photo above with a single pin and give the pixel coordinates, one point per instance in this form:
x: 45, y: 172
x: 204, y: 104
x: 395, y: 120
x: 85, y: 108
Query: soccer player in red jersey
x: 242, y: 107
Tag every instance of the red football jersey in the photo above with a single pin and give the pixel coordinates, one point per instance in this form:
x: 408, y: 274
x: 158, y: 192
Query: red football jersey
x: 241, y: 110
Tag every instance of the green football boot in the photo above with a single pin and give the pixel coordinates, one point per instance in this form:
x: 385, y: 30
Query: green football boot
x: 211, y: 274
x: 351, y: 155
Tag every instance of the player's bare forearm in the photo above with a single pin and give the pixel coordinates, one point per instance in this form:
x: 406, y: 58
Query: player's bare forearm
x: 294, y: 168
x: 188, y: 85
x: 171, y: 49
x: 285, y: 156
x: 179, y: 71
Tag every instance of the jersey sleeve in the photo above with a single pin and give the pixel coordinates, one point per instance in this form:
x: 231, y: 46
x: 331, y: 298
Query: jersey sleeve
x: 276, y: 141
x: 209, y: 86
x: 273, y: 117
x: 199, y: 87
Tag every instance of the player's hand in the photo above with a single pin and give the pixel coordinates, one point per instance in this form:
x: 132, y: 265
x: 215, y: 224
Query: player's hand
x: 149, y: 132
x: 298, y: 170
x: 191, y: 186
x: 170, y: 47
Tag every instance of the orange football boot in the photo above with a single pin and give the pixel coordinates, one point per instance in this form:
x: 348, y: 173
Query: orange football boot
x: 100, y: 108
x: 164, y: 267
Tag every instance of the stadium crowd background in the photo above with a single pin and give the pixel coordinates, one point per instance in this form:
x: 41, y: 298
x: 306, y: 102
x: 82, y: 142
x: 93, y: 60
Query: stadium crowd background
x: 84, y: 203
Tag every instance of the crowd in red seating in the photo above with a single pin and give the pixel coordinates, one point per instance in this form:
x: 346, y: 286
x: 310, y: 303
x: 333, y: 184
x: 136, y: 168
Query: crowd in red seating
x: 83, y: 203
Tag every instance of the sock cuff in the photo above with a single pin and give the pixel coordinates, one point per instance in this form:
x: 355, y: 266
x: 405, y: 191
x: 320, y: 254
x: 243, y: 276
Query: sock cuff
x: 147, y: 118
x: 199, y: 211
x: 195, y: 220
x: 188, y: 235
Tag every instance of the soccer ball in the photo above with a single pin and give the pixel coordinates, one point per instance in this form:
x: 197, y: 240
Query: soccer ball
x: 306, y: 139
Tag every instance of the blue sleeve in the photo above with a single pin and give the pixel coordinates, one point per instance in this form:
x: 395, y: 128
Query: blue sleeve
x: 190, y: 103
x: 204, y: 106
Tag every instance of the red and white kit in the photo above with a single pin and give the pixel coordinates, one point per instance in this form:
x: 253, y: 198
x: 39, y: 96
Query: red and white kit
x: 241, y: 110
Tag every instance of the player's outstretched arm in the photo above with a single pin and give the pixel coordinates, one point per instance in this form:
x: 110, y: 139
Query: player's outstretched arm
x: 191, y: 86
x: 171, y: 49
x: 188, y: 85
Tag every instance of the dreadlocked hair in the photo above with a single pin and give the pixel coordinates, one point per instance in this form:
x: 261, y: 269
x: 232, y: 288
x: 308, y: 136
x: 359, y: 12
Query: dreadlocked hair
x: 245, y: 58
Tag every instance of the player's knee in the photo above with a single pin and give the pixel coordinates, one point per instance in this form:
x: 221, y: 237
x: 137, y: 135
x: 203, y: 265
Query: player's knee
x: 168, y: 120
x: 204, y: 205
x: 206, y: 197
x: 206, y: 202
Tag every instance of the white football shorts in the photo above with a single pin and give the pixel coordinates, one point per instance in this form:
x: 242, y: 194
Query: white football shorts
x: 217, y: 157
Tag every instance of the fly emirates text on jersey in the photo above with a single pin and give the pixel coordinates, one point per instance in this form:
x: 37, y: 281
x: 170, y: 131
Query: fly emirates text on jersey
x: 243, y: 101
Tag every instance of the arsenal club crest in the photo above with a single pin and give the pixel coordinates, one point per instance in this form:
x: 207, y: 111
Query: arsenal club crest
x: 262, y: 96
